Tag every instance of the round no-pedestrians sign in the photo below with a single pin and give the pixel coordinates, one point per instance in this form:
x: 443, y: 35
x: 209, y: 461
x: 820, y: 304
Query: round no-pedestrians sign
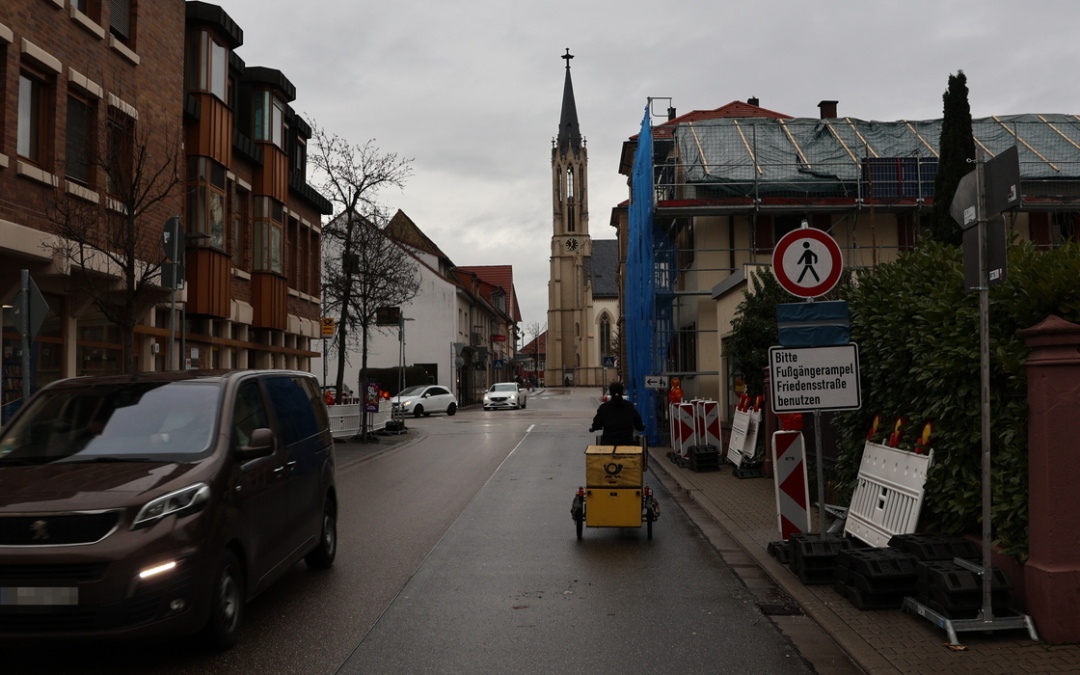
x: 807, y: 262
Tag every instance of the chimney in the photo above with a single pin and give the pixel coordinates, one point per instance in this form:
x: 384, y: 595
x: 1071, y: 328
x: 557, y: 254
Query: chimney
x: 671, y: 113
x: 828, y: 109
x: 753, y: 100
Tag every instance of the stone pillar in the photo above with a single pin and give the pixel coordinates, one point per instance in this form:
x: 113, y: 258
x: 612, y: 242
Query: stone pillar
x: 1052, y: 572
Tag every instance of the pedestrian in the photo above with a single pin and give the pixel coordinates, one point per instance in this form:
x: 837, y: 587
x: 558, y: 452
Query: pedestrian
x: 618, y: 418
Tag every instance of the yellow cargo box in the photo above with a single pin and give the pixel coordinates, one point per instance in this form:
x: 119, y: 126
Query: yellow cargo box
x: 619, y: 466
x: 613, y: 507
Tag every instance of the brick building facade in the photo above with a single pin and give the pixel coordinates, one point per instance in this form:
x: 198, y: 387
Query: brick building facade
x: 88, y: 86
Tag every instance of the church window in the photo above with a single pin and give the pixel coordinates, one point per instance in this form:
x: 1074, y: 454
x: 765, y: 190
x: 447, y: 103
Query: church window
x: 605, y: 335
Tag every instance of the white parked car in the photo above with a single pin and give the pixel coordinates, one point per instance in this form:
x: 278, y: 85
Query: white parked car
x: 505, y: 395
x: 424, y: 400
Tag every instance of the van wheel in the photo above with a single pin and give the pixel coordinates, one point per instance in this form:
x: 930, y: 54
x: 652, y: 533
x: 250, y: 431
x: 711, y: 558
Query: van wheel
x: 451, y: 409
x: 418, y: 411
x: 322, y: 556
x: 226, y: 604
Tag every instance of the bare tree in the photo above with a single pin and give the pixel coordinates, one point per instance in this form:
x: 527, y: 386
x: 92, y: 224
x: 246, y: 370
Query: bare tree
x: 113, y: 244
x: 363, y: 269
x: 536, y: 329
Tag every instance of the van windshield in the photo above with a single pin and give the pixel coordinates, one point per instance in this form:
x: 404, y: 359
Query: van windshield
x: 128, y: 421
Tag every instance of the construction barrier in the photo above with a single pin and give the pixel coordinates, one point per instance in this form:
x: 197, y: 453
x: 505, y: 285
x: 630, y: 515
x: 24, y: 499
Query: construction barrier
x: 683, y: 428
x: 792, y: 488
x: 888, y: 493
x: 744, y: 432
x: 707, y: 423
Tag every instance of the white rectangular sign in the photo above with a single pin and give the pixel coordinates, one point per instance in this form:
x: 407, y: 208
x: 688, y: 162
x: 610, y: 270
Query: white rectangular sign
x: 805, y: 379
x: 656, y: 381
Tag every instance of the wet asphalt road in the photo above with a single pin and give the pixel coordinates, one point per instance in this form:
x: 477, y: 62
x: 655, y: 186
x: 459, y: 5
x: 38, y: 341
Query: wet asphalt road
x: 458, y: 555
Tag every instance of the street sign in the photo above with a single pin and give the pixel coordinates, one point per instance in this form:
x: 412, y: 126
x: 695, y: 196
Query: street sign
x: 609, y: 361
x: 1003, y: 181
x: 33, y: 303
x: 996, y: 254
x: 172, y: 239
x: 1002, y: 189
x: 806, y: 379
x: 813, y: 324
x: 326, y: 324
x: 656, y: 381
x: 807, y: 262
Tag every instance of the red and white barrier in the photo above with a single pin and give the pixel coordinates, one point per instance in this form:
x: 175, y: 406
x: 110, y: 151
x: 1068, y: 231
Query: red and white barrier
x: 792, y: 489
x: 683, y: 428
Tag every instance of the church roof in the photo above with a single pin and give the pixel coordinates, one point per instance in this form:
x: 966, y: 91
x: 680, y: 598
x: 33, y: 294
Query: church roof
x: 605, y: 268
x: 569, y: 132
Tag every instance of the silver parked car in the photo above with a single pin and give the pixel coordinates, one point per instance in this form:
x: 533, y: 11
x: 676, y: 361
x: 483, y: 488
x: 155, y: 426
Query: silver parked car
x: 424, y: 400
x: 505, y: 395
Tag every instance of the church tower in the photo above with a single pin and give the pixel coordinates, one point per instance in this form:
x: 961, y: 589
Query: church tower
x: 569, y: 288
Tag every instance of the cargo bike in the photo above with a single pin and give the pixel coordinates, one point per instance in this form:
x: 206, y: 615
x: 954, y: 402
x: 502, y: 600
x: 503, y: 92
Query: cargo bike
x: 615, y: 494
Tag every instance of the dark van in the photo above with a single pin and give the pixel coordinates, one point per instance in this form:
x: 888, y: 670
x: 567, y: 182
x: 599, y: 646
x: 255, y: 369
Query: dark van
x: 160, y: 503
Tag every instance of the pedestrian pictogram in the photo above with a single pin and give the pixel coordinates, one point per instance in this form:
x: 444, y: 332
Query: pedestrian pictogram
x: 807, y: 262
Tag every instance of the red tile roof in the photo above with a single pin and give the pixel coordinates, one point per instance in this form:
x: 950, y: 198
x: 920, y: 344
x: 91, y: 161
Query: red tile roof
x: 735, y: 109
x: 500, y: 276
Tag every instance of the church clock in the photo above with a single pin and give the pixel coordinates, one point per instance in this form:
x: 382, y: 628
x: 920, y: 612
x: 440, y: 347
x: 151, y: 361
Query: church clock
x: 572, y: 244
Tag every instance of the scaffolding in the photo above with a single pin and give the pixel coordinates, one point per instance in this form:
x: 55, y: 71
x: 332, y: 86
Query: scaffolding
x: 846, y: 171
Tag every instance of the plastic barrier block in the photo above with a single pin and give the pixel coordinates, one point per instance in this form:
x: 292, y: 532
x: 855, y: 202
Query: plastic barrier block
x: 881, y: 563
x: 813, y: 556
x: 929, y: 546
x: 953, y: 578
x: 869, y: 601
x: 902, y: 584
x: 781, y: 550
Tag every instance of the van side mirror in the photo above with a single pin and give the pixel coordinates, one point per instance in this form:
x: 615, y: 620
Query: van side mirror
x: 261, y: 444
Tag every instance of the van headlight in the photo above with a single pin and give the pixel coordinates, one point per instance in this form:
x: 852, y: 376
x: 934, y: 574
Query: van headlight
x: 180, y: 503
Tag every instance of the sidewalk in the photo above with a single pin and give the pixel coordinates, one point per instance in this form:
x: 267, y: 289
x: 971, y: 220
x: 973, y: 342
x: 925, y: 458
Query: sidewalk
x: 879, y: 641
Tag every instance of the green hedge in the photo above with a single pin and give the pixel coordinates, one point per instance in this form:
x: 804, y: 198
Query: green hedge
x: 918, y: 334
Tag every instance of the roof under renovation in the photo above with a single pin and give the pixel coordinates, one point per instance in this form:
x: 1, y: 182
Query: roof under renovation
x: 718, y: 160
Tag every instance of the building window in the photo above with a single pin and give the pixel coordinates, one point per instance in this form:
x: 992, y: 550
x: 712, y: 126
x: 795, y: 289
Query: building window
x: 268, y: 237
x: 907, y: 231
x: 240, y: 229
x: 121, y: 154
x: 269, y: 119
x: 80, y: 126
x: 206, y: 206
x: 89, y: 8
x: 208, y: 65
x: 122, y: 21
x: 1049, y: 230
x: 34, y: 111
x: 605, y: 335
x: 299, y: 158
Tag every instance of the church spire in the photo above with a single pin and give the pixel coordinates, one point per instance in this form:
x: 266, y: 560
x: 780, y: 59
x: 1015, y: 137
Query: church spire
x: 569, y: 133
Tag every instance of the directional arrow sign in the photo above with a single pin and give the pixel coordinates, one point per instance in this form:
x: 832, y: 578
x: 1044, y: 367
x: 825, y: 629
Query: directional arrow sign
x: 656, y: 381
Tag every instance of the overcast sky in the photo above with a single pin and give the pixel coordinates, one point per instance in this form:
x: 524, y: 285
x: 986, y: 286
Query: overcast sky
x: 470, y: 90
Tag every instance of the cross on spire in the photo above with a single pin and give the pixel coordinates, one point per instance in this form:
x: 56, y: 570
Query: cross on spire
x: 567, y: 56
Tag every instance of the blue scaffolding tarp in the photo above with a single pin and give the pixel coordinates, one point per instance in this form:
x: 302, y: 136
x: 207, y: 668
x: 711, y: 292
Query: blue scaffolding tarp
x: 649, y: 284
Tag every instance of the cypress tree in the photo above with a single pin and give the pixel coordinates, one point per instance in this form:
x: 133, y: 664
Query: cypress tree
x: 957, y: 146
